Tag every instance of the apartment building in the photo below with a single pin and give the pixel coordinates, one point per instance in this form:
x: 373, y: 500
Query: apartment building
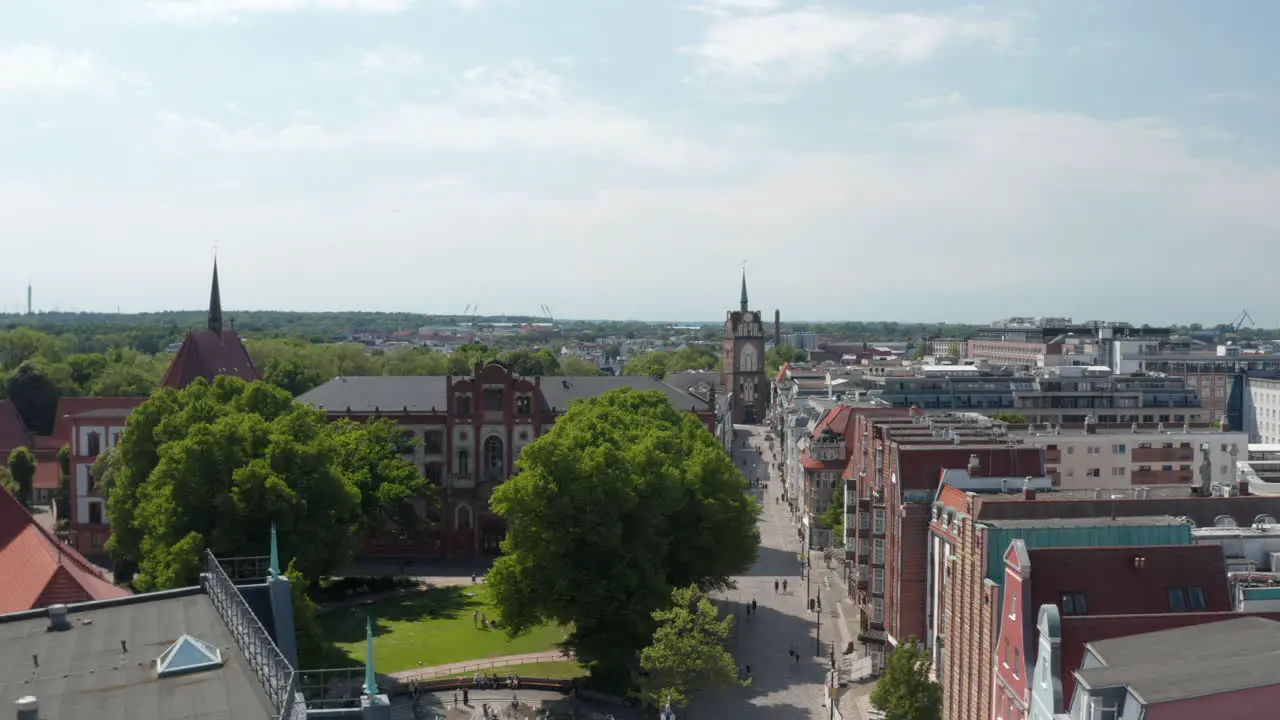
x: 971, y: 532
x: 1221, y: 380
x: 1060, y: 395
x: 1262, y: 409
x: 1091, y: 455
x: 894, y: 470
x: 1030, y: 343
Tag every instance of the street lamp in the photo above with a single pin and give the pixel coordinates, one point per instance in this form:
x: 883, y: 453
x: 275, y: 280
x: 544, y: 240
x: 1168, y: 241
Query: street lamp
x: 817, y: 638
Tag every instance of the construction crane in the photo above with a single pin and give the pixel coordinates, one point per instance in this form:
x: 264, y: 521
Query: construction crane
x: 546, y: 310
x: 1233, y: 327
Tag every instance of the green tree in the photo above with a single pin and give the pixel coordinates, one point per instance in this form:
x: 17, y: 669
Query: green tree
x: 292, y: 376
x: 625, y: 499
x: 62, y: 500
x: 213, y: 466
x: 22, y: 466
x: 34, y: 396
x: 904, y: 691
x: 651, y: 364
x: 692, y: 357
x: 370, y: 456
x: 574, y: 366
x: 7, y: 482
x: 833, y: 517
x: 312, y: 648
x: 1012, y: 418
x: 777, y: 356
x: 531, y: 363
x: 688, y: 651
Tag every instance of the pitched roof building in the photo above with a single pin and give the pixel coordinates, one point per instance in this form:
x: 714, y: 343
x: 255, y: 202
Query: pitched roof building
x: 1081, y: 581
x: 38, y: 569
x: 211, y: 352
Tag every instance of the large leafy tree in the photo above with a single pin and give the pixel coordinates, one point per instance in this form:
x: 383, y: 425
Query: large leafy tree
x: 776, y: 356
x: 688, y: 650
x: 213, y: 466
x: 904, y: 691
x: 625, y: 499
x: 22, y: 467
x: 833, y: 517
x: 370, y: 456
x: 34, y: 395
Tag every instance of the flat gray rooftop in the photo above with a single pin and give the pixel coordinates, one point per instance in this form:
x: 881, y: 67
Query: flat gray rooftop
x: 1190, y: 662
x: 84, y: 675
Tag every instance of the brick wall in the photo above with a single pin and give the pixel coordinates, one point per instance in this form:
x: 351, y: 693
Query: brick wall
x: 971, y: 607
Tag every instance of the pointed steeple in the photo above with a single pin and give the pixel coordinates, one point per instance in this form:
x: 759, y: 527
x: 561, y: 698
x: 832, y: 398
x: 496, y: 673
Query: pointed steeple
x: 274, y: 570
x: 215, y: 303
x: 370, y: 678
x: 744, y: 289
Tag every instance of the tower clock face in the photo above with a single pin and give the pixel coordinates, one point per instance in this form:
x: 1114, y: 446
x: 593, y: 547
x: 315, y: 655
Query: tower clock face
x: 749, y: 317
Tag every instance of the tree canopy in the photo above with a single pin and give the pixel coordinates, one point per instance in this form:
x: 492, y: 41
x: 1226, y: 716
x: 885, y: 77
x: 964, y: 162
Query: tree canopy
x: 688, y: 650
x: 658, y: 363
x: 833, y: 517
x: 777, y: 356
x: 213, y: 466
x: 22, y: 468
x: 904, y: 691
x: 623, y: 500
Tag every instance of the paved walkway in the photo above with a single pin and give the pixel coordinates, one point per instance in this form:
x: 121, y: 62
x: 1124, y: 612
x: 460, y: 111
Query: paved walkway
x: 480, y: 666
x: 781, y: 688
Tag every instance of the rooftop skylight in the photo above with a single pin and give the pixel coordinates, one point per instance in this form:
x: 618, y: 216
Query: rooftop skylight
x: 188, y: 654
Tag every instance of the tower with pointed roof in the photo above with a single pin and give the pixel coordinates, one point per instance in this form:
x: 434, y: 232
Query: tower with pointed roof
x: 210, y: 352
x: 743, y: 372
x: 215, y: 303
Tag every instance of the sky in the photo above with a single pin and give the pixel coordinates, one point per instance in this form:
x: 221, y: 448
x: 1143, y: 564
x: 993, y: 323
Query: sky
x: 901, y: 160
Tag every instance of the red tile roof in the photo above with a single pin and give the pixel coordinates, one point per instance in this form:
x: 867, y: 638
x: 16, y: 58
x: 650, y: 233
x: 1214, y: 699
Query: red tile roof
x: 69, y: 407
x: 40, y: 570
x: 208, y: 354
x: 13, y: 432
x: 1113, y: 583
x: 839, y: 421
x: 782, y: 372
x: 954, y: 498
x: 1080, y: 630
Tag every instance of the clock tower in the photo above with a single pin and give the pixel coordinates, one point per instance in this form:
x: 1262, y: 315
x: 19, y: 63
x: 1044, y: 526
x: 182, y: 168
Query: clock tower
x: 743, y: 373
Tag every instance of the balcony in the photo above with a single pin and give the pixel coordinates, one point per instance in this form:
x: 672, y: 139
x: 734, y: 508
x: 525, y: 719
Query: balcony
x: 1163, y: 455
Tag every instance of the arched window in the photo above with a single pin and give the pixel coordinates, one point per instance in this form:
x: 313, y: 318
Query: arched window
x: 750, y: 361
x: 464, y: 463
x: 494, y: 462
x: 462, y: 517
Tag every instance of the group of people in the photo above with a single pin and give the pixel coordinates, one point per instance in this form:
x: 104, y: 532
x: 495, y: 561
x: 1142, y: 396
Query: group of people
x: 490, y: 682
x: 781, y: 583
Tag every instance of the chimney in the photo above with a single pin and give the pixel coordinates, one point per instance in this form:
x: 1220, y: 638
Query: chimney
x: 1028, y: 492
x: 28, y: 708
x: 777, y: 328
x: 58, y: 618
x: 1090, y: 428
x: 1004, y: 485
x: 974, y: 464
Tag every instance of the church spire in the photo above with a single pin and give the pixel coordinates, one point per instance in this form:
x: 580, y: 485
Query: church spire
x: 744, y: 289
x: 215, y: 303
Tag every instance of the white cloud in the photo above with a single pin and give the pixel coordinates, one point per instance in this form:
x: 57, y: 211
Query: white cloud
x: 224, y: 11
x: 951, y: 99
x: 792, y: 46
x: 45, y: 70
x: 391, y: 59
x: 513, y: 107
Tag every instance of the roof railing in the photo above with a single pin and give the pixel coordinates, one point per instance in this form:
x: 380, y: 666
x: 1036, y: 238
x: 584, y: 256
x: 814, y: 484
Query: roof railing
x: 278, y: 678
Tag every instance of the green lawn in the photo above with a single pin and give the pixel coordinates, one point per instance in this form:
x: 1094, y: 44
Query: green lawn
x: 433, y: 627
x: 559, y: 670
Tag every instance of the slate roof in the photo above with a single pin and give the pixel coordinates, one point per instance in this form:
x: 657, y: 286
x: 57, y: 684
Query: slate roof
x: 208, y: 354
x: 83, y: 672
x: 423, y: 393
x: 1190, y: 662
x: 13, y: 432
x: 40, y: 570
x: 1113, y: 584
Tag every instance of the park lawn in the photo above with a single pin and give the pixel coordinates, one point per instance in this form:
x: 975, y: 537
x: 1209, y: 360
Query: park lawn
x: 432, y: 627
x: 555, y: 670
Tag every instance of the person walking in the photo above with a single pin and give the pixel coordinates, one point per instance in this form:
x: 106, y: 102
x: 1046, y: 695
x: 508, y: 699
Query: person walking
x: 784, y: 584
x: 775, y: 587
x: 753, y: 606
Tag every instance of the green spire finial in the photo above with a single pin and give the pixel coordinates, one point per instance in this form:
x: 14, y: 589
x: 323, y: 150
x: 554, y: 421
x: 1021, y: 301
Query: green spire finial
x: 370, y: 680
x: 744, y: 286
x: 275, y: 554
